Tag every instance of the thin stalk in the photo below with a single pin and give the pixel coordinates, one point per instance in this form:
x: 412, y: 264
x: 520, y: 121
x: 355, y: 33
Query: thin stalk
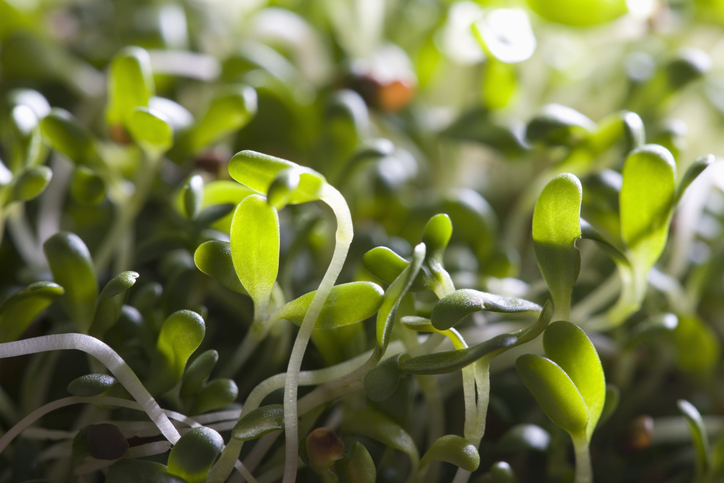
x: 584, y: 473
x: 118, y: 367
x: 343, y: 238
x: 129, y: 210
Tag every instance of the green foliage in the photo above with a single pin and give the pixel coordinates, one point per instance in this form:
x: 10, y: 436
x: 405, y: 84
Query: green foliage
x: 192, y: 456
x: 453, y: 449
x: 18, y: 311
x: 259, y: 422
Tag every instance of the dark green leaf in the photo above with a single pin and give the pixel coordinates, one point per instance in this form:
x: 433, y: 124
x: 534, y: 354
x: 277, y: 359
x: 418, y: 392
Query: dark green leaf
x: 64, y: 134
x: 31, y: 182
x: 557, y: 125
x: 689, y: 65
x: 215, y: 395
x: 346, y: 304
x: 382, y: 381
x: 452, y: 308
x: 86, y: 187
x: 72, y: 268
x: 373, y: 424
x: 360, y: 467
x: 192, y: 455
x: 453, y: 449
x: 451, y: 361
x: 613, y: 396
x: 202, y: 366
x: 91, y: 385
x: 193, y: 194
x: 136, y: 470
x: 501, y: 472
x: 524, y: 437
x: 17, y: 312
x: 110, y: 302
x: 259, y: 422
x: 698, y: 349
x: 698, y: 435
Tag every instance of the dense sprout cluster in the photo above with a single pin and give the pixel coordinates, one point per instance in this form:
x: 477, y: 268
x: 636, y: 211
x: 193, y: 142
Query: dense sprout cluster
x: 344, y: 241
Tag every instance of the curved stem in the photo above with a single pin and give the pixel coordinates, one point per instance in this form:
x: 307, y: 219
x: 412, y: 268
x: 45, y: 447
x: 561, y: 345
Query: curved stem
x: 118, y: 367
x: 343, y: 237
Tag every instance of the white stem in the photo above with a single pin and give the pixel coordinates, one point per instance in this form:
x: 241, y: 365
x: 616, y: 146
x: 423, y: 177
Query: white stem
x: 584, y: 473
x: 343, y: 237
x: 109, y: 358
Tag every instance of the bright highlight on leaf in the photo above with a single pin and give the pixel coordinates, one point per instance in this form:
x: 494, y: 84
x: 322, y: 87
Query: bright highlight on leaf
x: 556, y: 227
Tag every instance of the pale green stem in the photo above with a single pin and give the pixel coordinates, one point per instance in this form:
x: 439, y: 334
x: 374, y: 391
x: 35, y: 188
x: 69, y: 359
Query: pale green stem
x: 129, y: 210
x: 118, y: 367
x: 597, y: 299
x: 481, y: 370
x: 343, y: 237
x: 584, y: 473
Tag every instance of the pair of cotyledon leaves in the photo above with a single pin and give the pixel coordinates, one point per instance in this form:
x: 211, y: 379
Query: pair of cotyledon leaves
x: 647, y: 199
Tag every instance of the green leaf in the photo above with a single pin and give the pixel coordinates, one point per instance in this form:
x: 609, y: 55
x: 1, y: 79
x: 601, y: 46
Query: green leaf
x: 450, y: 361
x: 360, y: 467
x: 393, y: 296
x: 557, y: 125
x: 130, y: 84
x: 613, y: 396
x: 579, y: 13
x: 436, y: 235
x: 555, y: 392
x: 295, y: 185
x: 192, y: 455
x: 373, y: 424
x: 259, y: 422
x: 646, y: 201
x: 31, y: 183
x: 382, y: 381
x: 201, y: 367
x: 698, y: 349
x: 257, y: 170
x: 501, y: 472
x: 215, y: 395
x: 346, y: 304
x: 136, y: 470
x: 151, y: 129
x: 214, y: 259
x: 72, y: 268
x: 64, y: 134
x: 696, y: 168
x: 110, y: 301
x: 230, y: 110
x: 698, y: 435
x: 193, y: 195
x: 453, y: 449
x: 255, y: 249
x: 86, y: 187
x: 524, y: 437
x: 17, y: 312
x: 387, y: 265
x: 556, y: 227
x: 588, y: 232
x: 570, y: 348
x: 91, y: 385
x: 452, y: 308
x: 181, y: 334
x: 688, y: 65
x: 623, y: 124
x: 217, y: 193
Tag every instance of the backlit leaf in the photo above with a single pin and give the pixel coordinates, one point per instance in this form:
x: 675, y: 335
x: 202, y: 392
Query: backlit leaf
x: 346, y: 304
x: 17, y: 312
x: 555, y: 392
x: 130, y: 84
x: 579, y: 13
x: 111, y: 300
x: 214, y: 259
x: 31, y: 182
x: 255, y: 248
x: 568, y: 346
x: 231, y: 109
x: 151, y: 129
x: 387, y: 265
x: 453, y: 449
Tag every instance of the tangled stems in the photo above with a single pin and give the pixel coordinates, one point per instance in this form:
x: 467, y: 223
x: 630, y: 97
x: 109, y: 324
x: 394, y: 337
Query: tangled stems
x: 109, y: 358
x: 343, y: 239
